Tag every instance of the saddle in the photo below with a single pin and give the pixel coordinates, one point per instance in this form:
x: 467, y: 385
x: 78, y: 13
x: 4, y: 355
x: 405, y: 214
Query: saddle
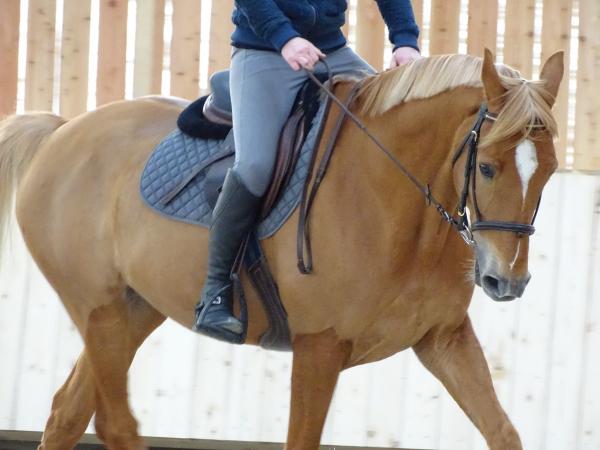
x: 210, y: 118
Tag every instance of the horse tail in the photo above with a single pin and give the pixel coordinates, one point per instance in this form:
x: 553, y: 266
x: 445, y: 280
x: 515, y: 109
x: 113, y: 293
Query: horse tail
x: 20, y: 137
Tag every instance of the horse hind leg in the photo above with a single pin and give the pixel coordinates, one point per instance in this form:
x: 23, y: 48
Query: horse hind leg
x: 98, y: 382
x: 72, y: 408
x: 114, y: 333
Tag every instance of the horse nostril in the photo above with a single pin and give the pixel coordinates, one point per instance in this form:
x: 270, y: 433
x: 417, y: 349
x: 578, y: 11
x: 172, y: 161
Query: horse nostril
x: 490, y: 283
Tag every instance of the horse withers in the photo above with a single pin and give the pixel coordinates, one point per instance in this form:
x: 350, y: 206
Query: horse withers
x: 389, y: 272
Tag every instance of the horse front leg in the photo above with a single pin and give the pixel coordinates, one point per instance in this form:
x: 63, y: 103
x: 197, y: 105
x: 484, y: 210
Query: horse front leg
x: 457, y: 360
x: 318, y: 360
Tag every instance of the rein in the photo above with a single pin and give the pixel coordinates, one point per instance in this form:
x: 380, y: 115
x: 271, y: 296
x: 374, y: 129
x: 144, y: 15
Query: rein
x: 461, y: 224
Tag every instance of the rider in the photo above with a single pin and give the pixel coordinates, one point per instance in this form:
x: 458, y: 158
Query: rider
x: 273, y: 40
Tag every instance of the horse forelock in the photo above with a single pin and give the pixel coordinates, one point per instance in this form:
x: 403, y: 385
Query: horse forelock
x: 526, y: 110
x: 526, y: 113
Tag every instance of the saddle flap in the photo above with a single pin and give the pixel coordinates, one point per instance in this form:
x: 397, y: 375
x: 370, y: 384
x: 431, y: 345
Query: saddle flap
x: 291, y: 140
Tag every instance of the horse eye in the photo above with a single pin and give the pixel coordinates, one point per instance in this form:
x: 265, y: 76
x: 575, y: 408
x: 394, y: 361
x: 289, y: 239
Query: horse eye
x: 487, y: 170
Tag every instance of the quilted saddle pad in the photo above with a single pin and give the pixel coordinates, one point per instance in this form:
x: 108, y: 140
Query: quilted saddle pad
x: 178, y: 155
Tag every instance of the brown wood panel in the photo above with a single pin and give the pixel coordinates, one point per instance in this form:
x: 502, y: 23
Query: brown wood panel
x: 149, y: 47
x: 370, y: 34
x: 556, y: 35
x: 112, y: 44
x: 185, y: 49
x: 9, y: 55
x: 418, y: 10
x: 346, y: 27
x: 519, y: 34
x: 221, y: 28
x: 482, y: 26
x: 39, y: 77
x: 587, y: 113
x: 75, y: 57
x: 445, y: 15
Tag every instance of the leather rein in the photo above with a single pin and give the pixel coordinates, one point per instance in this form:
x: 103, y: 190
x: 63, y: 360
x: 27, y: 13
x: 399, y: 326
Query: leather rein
x: 461, y: 224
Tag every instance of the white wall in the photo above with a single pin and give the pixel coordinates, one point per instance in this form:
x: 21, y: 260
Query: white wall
x: 544, y: 352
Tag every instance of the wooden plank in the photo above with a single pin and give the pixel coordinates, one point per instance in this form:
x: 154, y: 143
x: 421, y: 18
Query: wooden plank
x: 112, y: 43
x: 149, y: 47
x: 347, y: 413
x: 9, y: 55
x: 185, y: 49
x: 75, y: 57
x: 536, y: 325
x: 370, y: 34
x: 589, y: 395
x: 275, y: 408
x: 421, y: 407
x: 556, y: 35
x: 388, y: 384
x: 13, y: 313
x: 519, y: 34
x: 34, y: 389
x: 482, y: 26
x: 221, y: 27
x: 566, y: 355
x: 443, y: 36
x: 418, y: 10
x: 587, y: 113
x: 156, y: 397
x: 346, y: 27
x: 40, y: 55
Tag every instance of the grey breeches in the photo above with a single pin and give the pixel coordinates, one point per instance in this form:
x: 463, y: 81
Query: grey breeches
x: 263, y: 89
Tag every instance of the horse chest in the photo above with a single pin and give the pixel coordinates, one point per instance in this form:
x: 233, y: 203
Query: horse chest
x: 407, y: 319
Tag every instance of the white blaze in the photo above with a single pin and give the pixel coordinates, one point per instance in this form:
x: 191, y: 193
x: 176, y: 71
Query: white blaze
x: 527, y: 163
x: 512, y: 263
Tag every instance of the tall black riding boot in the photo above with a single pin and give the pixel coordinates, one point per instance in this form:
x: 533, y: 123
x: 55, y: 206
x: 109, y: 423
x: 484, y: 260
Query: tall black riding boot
x: 234, y: 215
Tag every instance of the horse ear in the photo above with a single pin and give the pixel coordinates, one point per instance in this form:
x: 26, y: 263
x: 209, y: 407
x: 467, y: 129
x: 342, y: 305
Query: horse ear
x: 490, y: 78
x: 552, y: 73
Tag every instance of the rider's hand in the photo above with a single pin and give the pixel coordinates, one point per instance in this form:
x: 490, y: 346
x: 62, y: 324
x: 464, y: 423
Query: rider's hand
x: 403, y: 55
x: 299, y: 52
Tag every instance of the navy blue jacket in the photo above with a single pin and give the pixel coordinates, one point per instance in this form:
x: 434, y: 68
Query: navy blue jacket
x: 269, y: 24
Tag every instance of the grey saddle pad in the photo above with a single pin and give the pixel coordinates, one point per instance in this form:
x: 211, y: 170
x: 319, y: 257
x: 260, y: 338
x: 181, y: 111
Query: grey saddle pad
x: 174, y: 159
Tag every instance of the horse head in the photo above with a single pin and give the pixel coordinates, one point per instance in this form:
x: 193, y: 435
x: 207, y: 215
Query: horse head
x: 514, y: 159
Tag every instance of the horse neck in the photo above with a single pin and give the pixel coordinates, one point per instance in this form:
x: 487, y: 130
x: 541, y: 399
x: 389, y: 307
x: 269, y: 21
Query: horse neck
x: 421, y: 135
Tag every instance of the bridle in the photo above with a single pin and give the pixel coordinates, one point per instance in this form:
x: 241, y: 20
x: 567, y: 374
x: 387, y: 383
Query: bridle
x: 461, y: 224
x: 471, y: 142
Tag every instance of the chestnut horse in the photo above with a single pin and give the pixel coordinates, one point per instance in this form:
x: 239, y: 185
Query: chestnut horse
x: 389, y: 272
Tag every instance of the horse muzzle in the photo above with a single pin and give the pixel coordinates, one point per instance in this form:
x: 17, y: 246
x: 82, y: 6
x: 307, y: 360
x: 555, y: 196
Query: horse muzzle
x: 503, y: 289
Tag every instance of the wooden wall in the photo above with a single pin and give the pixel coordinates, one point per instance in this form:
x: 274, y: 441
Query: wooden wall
x: 542, y: 350
x: 508, y: 27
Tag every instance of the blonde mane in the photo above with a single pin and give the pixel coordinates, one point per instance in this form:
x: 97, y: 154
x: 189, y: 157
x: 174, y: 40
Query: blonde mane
x: 526, y: 105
